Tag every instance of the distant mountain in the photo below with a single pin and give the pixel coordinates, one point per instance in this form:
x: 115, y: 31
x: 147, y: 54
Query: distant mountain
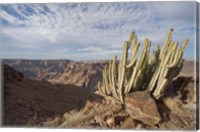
x: 33, y: 68
x: 85, y: 74
x: 82, y: 74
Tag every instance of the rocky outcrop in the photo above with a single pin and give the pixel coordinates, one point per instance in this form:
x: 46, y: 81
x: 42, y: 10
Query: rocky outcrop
x: 140, y: 106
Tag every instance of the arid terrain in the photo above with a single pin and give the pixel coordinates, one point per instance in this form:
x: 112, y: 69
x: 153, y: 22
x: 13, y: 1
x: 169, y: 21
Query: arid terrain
x: 81, y: 74
x: 63, y: 93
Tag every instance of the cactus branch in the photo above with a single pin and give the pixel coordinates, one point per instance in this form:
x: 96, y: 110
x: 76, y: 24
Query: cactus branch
x: 153, y: 71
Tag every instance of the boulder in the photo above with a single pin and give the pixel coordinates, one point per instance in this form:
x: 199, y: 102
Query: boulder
x: 141, y: 106
x: 128, y: 123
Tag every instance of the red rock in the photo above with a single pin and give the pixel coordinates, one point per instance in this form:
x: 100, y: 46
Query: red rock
x: 140, y: 106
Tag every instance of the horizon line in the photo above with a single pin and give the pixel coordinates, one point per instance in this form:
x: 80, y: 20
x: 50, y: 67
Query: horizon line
x: 186, y: 59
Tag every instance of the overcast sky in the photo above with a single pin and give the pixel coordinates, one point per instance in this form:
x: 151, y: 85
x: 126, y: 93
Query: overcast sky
x: 95, y: 31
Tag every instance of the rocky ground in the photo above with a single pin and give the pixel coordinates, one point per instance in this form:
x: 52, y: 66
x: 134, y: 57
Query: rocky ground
x: 28, y: 102
x: 177, y: 112
x: 40, y: 103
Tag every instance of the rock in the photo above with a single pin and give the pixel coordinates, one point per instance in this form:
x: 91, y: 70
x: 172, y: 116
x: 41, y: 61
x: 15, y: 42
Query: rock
x: 88, y: 108
x: 139, y: 126
x: 110, y: 121
x: 98, y: 119
x: 128, y: 123
x: 140, y: 106
x: 57, y: 121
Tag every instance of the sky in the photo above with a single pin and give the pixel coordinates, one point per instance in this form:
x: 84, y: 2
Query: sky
x: 91, y: 31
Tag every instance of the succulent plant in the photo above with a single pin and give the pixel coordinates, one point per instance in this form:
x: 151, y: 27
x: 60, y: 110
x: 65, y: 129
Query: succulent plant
x: 153, y: 71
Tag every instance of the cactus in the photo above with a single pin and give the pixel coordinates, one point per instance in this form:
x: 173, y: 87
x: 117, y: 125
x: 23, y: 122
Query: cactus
x: 153, y: 71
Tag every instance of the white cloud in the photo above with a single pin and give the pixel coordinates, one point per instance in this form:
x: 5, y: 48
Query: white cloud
x: 93, y: 27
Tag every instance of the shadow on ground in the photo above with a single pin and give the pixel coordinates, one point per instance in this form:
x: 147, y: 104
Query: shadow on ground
x: 28, y: 102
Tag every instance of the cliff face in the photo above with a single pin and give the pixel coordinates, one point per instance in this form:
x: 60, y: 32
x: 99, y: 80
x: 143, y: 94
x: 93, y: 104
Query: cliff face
x: 81, y: 74
x: 33, y: 68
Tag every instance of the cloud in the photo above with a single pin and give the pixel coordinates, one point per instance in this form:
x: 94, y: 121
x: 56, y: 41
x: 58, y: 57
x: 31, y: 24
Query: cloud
x: 82, y: 30
x: 181, y: 11
x: 95, y: 52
